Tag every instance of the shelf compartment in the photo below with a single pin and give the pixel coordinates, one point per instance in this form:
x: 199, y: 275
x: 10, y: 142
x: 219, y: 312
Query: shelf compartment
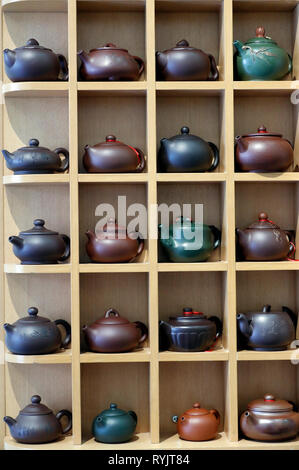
x: 276, y: 88
x: 208, y: 88
x: 267, y: 177
x: 289, y: 355
x: 143, y: 355
x: 191, y: 177
x: 118, y: 88
x: 267, y: 266
x: 220, y: 354
x: 114, y: 268
x: 35, y: 89
x: 37, y: 268
x: 113, y: 178
x: 34, y: 6
x: 191, y: 267
x: 62, y: 357
x: 36, y: 179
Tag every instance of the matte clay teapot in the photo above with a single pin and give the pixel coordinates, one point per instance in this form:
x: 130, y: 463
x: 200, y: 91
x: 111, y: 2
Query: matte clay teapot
x: 113, y: 156
x: 260, y: 58
x: 110, y: 63
x: 37, y: 424
x: 39, y: 245
x: 114, y: 334
x: 187, y: 153
x: 113, y: 244
x: 263, y: 152
x: 270, y: 419
x: 36, y: 335
x: 197, y: 424
x: 184, y: 62
x: 36, y: 160
x: 267, y: 330
x: 264, y: 241
x: 114, y: 425
x: 33, y: 62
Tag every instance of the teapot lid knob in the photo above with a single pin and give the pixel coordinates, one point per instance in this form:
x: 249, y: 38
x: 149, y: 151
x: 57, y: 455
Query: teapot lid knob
x: 113, y: 406
x: 32, y: 42
x: 269, y: 397
x: 262, y: 130
x: 36, y: 399
x: 33, y: 311
x: 110, y: 138
x: 185, y: 130
x: 187, y: 311
x: 260, y: 32
x: 263, y: 216
x: 196, y: 405
x: 39, y: 222
x: 182, y: 43
x: 33, y: 143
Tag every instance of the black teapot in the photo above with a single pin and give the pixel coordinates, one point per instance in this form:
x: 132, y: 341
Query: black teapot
x: 36, y: 335
x: 40, y: 245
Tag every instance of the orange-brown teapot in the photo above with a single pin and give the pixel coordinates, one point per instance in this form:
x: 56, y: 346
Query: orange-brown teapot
x: 197, y: 424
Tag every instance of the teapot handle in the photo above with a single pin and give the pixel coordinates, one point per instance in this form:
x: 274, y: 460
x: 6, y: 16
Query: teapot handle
x: 290, y: 64
x: 217, y: 235
x: 133, y: 414
x: 140, y: 247
x: 216, y: 414
x: 67, y: 242
x: 214, y: 70
x: 291, y: 314
x: 141, y: 165
x: 144, y: 331
x: 63, y: 67
x: 64, y: 164
x: 111, y: 310
x: 68, y: 330
x: 68, y: 414
x: 216, y: 156
x: 140, y: 64
x: 218, y: 324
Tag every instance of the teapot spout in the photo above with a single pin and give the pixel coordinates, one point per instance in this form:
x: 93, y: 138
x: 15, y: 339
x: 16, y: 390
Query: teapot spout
x: 83, y: 56
x: 9, y: 57
x: 9, y: 421
x: 241, y: 143
x: 16, y: 241
x: 8, y: 328
x: 244, y: 325
x: 90, y: 235
x: 161, y: 59
x: 239, y: 46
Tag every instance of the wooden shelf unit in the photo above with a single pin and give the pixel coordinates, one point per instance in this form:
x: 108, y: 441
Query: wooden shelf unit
x: 74, y: 113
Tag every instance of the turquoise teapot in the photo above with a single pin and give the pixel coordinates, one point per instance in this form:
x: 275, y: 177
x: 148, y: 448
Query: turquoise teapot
x: 260, y: 58
x: 114, y: 425
x: 187, y: 241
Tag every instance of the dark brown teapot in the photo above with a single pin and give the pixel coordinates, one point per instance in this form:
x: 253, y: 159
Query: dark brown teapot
x: 264, y: 241
x: 33, y: 62
x: 114, y: 334
x: 113, y: 156
x: 263, y: 152
x: 184, y: 62
x: 37, y: 424
x: 197, y: 424
x: 270, y: 419
x: 110, y: 63
x: 113, y: 244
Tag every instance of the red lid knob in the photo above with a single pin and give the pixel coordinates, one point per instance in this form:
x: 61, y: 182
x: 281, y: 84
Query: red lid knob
x: 269, y: 397
x: 262, y: 130
x: 260, y: 32
x: 110, y: 138
x: 263, y: 216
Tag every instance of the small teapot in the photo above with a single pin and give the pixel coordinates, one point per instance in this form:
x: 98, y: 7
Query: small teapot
x: 270, y: 419
x: 114, y: 425
x: 197, y: 424
x: 36, y: 160
x: 33, y: 62
x: 40, y: 245
x: 113, y: 156
x: 36, y: 335
x: 37, y: 424
x: 187, y: 153
x: 260, y: 58
x: 264, y: 241
x: 110, y: 63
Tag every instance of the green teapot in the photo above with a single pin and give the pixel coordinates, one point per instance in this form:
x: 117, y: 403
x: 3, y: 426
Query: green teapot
x: 114, y: 425
x: 260, y: 58
x: 187, y: 241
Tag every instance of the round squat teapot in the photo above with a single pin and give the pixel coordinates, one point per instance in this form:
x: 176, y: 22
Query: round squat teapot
x: 114, y: 425
x: 37, y: 424
x: 197, y: 424
x: 36, y: 335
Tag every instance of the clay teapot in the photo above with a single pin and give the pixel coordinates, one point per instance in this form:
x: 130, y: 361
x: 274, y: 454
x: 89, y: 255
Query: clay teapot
x: 36, y: 160
x: 37, y: 424
x: 114, y: 425
x: 110, y: 63
x: 40, y: 245
x: 267, y: 330
x: 179, y: 244
x: 260, y: 58
x: 184, y: 62
x: 270, y: 419
x: 197, y: 424
x: 263, y: 152
x: 36, y: 335
x: 33, y: 62
x: 191, y: 331
x: 264, y: 241
x: 113, y: 244
x: 114, y: 334
x: 187, y: 153
x: 113, y: 156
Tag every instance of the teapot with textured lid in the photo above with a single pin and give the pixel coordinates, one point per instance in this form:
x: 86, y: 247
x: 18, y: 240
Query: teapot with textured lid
x: 197, y: 424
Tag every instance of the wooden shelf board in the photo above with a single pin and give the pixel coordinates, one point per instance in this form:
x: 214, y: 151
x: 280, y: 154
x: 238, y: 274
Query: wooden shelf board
x: 188, y: 5
x: 34, y: 5
x: 126, y: 88
x: 35, y: 89
x: 65, y: 443
x: 192, y: 177
x: 174, y: 442
x: 246, y: 444
x: 264, y: 5
x: 279, y: 85
x: 141, y: 441
x: 267, y: 266
x: 143, y: 355
x: 215, y: 88
x: 171, y: 356
x: 113, y: 178
x: 205, y: 266
x: 37, y: 268
x: 63, y: 357
x: 267, y: 177
x: 291, y: 354
x: 114, y: 268
x: 111, y: 5
x: 36, y: 179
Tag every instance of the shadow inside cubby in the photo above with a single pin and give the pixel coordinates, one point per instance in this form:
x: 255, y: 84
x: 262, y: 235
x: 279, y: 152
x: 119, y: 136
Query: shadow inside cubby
x: 125, y: 384
x: 127, y: 293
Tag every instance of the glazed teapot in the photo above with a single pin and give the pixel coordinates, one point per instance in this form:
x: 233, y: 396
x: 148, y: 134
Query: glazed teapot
x: 40, y: 245
x: 33, y: 62
x: 113, y: 156
x: 267, y: 330
x: 114, y: 334
x: 110, y: 63
x: 260, y: 58
x: 36, y: 160
x: 37, y: 424
x: 197, y: 424
x: 264, y: 241
x: 187, y: 153
x: 36, y: 335
x: 114, y: 425
x: 270, y: 419
x: 113, y: 244
x: 191, y: 331
x: 187, y: 241
x: 184, y: 62
x: 263, y: 152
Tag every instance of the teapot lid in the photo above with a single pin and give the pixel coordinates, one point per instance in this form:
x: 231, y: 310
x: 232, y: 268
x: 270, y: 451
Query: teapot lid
x: 264, y: 222
x: 183, y: 44
x: 197, y: 410
x: 38, y: 229
x: 261, y: 38
x: 270, y: 403
x: 112, y: 317
x: 108, y: 47
x: 185, y: 135
x: 111, y: 228
x: 33, y: 145
x: 35, y: 407
x: 262, y: 132
x: 33, y: 317
x: 111, y: 141
x: 190, y: 317
x: 113, y: 411
x: 33, y: 44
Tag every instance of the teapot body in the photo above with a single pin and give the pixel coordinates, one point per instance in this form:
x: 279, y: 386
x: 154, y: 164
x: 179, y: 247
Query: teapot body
x: 114, y: 426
